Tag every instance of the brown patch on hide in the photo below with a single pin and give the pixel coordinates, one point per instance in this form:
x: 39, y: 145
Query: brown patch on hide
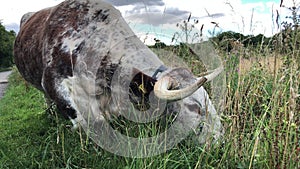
x: 28, y: 48
x: 41, y: 34
x: 62, y: 22
x: 41, y: 57
x: 105, y: 73
x: 104, y: 77
x: 101, y: 15
x: 64, y: 18
x: 38, y: 48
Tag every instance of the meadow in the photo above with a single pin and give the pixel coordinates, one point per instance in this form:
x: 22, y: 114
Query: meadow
x: 260, y: 118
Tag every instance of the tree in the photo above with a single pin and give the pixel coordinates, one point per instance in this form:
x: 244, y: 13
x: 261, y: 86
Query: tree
x: 7, y: 39
x: 228, y: 40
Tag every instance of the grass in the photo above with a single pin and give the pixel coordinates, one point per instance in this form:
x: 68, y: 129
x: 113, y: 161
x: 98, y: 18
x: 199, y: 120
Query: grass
x: 261, y: 120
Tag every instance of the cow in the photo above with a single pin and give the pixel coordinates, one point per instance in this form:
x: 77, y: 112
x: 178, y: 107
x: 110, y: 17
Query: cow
x: 85, y: 58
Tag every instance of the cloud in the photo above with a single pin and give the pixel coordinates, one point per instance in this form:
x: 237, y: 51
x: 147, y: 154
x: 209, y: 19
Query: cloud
x: 136, y: 2
x: 152, y: 18
x: 248, y: 18
x: 176, y: 11
x: 253, y: 17
x: 154, y: 15
x: 13, y: 26
x: 139, y: 8
x: 11, y: 11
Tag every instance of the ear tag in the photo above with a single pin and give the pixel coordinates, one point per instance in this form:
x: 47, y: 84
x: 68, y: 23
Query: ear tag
x: 142, y: 88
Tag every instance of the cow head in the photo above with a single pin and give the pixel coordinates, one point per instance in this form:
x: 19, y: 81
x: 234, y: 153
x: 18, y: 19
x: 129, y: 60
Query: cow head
x: 176, y: 91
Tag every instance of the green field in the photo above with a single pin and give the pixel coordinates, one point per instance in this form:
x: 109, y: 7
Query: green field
x: 260, y: 115
x: 261, y: 121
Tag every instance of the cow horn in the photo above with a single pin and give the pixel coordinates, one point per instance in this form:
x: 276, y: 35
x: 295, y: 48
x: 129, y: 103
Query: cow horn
x: 162, y: 86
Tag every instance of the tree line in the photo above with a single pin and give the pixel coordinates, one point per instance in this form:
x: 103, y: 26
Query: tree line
x: 7, y: 39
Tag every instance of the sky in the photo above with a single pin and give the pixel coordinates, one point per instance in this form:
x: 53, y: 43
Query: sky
x: 158, y: 18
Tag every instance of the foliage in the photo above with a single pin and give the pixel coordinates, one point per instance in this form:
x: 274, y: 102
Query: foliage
x: 159, y: 45
x: 6, y: 47
x: 227, y: 41
x: 288, y: 43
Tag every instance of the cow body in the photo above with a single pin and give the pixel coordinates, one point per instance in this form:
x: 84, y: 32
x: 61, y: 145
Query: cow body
x: 74, y: 52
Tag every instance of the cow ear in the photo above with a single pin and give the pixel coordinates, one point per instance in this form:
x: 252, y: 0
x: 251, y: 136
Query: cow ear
x: 135, y: 71
x: 141, y: 84
x: 140, y: 87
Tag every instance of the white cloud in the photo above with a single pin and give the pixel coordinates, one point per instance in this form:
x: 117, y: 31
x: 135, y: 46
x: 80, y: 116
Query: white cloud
x: 11, y: 11
x: 250, y: 18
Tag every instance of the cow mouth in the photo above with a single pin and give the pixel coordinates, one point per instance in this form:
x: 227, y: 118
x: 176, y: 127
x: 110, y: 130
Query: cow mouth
x: 163, y: 87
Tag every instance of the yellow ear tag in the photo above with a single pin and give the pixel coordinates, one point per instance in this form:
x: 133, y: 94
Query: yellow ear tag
x: 141, y: 87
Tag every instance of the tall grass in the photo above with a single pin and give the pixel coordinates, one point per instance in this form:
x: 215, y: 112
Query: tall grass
x: 261, y: 121
x: 262, y: 129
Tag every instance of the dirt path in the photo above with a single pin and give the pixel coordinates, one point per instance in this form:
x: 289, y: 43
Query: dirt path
x: 3, y: 82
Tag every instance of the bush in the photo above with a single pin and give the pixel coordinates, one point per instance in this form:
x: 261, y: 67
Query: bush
x: 7, y: 39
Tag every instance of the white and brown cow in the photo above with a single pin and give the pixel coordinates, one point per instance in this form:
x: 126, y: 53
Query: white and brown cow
x: 82, y: 52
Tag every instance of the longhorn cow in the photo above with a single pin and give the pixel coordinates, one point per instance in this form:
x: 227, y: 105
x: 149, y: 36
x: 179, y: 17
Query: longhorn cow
x: 82, y: 52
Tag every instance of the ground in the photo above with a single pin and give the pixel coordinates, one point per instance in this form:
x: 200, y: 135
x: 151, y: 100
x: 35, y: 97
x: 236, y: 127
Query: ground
x: 3, y: 81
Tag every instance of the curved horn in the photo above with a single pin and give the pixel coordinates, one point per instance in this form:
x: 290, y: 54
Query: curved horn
x: 162, y: 86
